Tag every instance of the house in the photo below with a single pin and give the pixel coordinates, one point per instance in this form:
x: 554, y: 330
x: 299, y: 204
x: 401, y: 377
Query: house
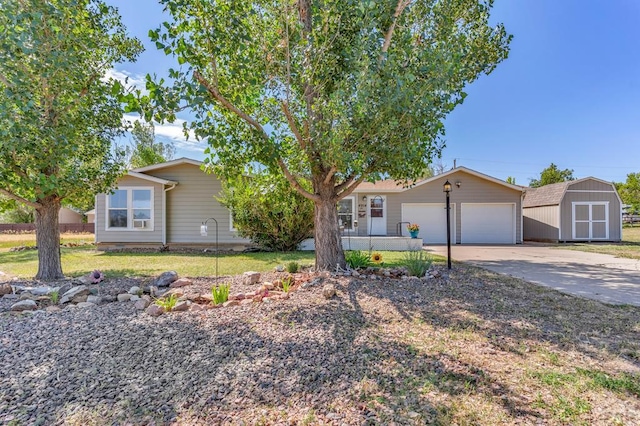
x: 483, y: 209
x: 69, y: 216
x: 164, y: 204
x: 587, y: 209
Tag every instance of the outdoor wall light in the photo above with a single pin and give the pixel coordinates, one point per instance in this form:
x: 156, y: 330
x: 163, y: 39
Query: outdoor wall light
x: 364, y: 198
x: 458, y: 183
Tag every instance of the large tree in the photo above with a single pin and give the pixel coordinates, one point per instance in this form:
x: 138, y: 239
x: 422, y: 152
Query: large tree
x: 331, y: 92
x: 58, y: 113
x: 144, y: 149
x: 552, y: 174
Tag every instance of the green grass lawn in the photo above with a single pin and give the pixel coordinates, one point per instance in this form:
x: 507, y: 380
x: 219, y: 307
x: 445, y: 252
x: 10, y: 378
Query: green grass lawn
x: 80, y: 260
x: 629, y: 247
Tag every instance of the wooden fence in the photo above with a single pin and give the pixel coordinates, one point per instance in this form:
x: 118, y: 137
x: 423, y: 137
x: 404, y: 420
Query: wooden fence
x: 64, y: 227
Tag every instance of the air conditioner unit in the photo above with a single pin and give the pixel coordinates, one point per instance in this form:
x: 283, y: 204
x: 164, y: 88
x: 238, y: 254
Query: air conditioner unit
x: 140, y: 223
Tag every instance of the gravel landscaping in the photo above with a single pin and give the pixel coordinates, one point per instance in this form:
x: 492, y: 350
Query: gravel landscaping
x: 469, y: 347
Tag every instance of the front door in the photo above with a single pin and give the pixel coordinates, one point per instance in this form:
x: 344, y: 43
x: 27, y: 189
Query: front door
x: 377, y: 214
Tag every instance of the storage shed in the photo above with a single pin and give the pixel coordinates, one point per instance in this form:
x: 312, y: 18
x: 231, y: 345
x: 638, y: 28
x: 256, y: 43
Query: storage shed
x: 587, y: 209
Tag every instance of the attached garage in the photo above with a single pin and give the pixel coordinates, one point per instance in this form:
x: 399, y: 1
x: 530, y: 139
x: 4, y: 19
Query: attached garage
x: 432, y: 219
x: 488, y: 223
x: 587, y: 209
x: 484, y: 210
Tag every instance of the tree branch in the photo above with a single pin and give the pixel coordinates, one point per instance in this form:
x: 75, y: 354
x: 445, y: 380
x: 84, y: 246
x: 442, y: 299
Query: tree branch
x: 332, y: 171
x: 20, y: 199
x: 293, y: 126
x: 402, y: 4
x: 349, y: 189
x: 213, y: 90
x: 345, y: 183
x: 294, y: 182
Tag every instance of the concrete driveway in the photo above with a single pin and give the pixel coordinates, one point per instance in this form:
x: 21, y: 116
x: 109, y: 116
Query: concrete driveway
x: 595, y: 276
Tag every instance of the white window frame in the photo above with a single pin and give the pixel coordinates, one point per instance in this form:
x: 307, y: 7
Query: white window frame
x: 354, y: 212
x: 590, y: 221
x: 130, y: 209
x: 232, y: 227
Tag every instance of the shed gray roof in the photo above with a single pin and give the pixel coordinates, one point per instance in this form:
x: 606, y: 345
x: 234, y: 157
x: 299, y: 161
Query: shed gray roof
x: 548, y: 195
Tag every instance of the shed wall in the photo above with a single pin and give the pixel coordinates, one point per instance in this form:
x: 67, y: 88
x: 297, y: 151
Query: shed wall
x: 615, y: 212
x: 133, y: 236
x: 541, y: 223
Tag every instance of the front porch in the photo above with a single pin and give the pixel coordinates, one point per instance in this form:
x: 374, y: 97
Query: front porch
x: 373, y: 243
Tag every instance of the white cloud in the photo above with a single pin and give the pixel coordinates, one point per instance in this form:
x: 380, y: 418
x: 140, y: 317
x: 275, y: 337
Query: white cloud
x: 174, y: 132
x: 127, y: 78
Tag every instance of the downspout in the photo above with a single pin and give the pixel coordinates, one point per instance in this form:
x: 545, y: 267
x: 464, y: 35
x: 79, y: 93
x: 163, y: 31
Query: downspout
x: 164, y: 213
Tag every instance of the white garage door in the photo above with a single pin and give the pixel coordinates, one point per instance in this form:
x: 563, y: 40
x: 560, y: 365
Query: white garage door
x: 488, y: 223
x: 432, y: 219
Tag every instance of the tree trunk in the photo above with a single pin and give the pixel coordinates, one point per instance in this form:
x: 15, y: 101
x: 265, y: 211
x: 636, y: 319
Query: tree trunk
x: 48, y: 239
x: 328, y: 241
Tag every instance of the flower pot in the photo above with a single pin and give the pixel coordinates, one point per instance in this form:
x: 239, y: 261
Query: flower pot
x: 414, y: 234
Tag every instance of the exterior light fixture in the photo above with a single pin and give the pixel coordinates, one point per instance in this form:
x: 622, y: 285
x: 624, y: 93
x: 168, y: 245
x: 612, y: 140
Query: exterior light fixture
x: 446, y: 188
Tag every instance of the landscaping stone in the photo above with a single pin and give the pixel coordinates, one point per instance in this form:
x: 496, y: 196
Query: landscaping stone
x: 86, y: 305
x: 124, y: 297
x: 52, y: 309
x: 27, y: 296
x: 43, y: 291
x: 181, y: 306
x: 181, y: 282
x: 238, y: 296
x: 279, y: 268
x: 329, y: 291
x: 5, y: 289
x: 154, y: 310
x: 142, y: 304
x: 268, y: 286
x: 134, y: 298
x: 80, y: 298
x: 81, y: 290
x: 134, y: 290
x: 230, y: 303
x: 153, y: 291
x: 108, y: 298
x: 251, y: 277
x: 246, y: 301
x: 11, y: 296
x: 96, y: 300
x: 24, y: 305
x: 165, y: 279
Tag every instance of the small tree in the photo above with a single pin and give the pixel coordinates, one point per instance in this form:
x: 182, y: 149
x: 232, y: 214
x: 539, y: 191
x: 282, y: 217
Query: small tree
x: 58, y: 114
x: 630, y: 191
x: 268, y: 211
x: 325, y: 94
x: 552, y: 174
x: 511, y: 180
x: 144, y: 150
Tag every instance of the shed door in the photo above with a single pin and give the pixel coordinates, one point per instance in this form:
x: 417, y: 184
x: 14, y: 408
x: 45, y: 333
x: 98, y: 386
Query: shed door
x: 488, y: 223
x: 590, y: 220
x: 432, y: 219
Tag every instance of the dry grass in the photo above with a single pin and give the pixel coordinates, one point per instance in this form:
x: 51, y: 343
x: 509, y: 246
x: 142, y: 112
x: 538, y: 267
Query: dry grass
x: 628, y: 248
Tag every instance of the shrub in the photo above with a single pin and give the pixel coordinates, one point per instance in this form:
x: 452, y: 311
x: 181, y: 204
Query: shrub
x: 286, y: 284
x: 417, y: 262
x: 357, y: 259
x: 55, y: 296
x: 220, y: 294
x: 168, y: 303
x: 292, y: 267
x: 268, y: 211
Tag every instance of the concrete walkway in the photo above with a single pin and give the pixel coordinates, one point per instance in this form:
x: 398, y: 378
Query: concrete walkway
x: 595, y: 276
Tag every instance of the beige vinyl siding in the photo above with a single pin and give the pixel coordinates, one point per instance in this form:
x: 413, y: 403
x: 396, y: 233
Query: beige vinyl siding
x: 191, y: 202
x: 69, y: 216
x: 541, y: 223
x: 472, y: 189
x: 130, y: 236
x: 615, y: 215
x: 590, y: 185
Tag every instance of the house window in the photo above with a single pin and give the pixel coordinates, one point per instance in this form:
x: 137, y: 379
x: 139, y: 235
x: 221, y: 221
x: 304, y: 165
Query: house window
x: 346, y: 210
x: 130, y: 209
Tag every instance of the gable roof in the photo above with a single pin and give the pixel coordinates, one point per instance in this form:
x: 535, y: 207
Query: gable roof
x: 176, y: 162
x: 392, y: 186
x: 151, y: 178
x: 552, y: 194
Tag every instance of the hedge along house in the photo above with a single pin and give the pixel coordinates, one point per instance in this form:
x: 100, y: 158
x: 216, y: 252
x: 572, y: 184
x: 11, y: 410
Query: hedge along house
x: 484, y: 210
x: 587, y: 209
x: 164, y: 204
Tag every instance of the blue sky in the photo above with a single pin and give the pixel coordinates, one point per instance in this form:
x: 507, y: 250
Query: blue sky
x: 569, y: 93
